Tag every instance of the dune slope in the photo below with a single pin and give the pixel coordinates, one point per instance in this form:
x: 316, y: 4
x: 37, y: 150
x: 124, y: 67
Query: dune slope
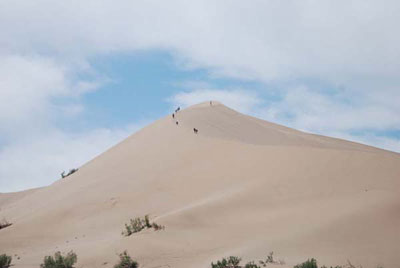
x: 240, y: 186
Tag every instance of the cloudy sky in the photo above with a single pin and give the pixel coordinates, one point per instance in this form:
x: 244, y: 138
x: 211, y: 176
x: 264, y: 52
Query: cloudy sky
x: 76, y: 77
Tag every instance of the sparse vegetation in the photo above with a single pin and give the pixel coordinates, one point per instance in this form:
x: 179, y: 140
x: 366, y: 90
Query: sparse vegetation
x: 60, y: 261
x: 125, y: 261
x: 135, y: 225
x: 157, y: 227
x: 147, y: 221
x: 234, y: 262
x: 231, y: 262
x: 138, y: 224
x: 269, y: 259
x: 251, y: 265
x: 72, y: 171
x: 5, y: 261
x: 4, y: 223
x: 310, y: 263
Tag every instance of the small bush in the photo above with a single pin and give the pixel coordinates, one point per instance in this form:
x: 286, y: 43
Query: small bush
x: 135, y: 225
x: 251, y: 265
x: 231, y: 262
x: 138, y: 224
x: 311, y: 263
x: 59, y: 261
x: 125, y: 261
x: 234, y: 262
x: 269, y: 259
x: 5, y: 261
x: 71, y: 171
x: 4, y: 223
x: 157, y: 227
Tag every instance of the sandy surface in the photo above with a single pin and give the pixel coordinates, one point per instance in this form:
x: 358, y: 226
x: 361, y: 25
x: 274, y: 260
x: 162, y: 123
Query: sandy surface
x: 241, y: 186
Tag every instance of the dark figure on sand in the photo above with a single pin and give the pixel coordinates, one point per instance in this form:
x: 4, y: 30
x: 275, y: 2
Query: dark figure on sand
x: 195, y: 130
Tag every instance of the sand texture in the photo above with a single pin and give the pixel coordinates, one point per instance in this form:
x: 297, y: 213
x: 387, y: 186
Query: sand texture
x: 240, y: 186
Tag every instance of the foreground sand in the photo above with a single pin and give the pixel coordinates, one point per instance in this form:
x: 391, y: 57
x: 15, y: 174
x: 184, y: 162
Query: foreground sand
x: 241, y: 186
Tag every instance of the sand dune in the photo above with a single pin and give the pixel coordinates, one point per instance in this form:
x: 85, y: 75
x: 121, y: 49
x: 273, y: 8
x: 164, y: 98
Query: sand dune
x: 241, y: 186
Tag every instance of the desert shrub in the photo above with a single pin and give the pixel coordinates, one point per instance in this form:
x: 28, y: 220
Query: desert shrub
x: 125, y: 261
x: 269, y: 259
x: 71, y: 171
x: 5, y: 261
x: 231, y: 262
x: 138, y: 224
x: 135, y: 225
x: 251, y: 265
x: 310, y: 263
x: 4, y: 223
x: 157, y: 227
x: 128, y: 230
x: 60, y: 261
x: 234, y: 262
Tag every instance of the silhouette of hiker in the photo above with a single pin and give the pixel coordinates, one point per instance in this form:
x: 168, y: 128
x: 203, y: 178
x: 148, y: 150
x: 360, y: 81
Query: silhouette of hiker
x: 178, y: 109
x: 173, y: 115
x: 195, y: 130
x: 176, y: 123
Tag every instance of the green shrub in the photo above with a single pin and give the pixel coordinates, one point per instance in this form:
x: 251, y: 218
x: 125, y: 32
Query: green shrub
x: 138, y: 224
x: 125, y: 261
x: 231, y: 262
x: 251, y: 265
x: 59, y: 261
x: 310, y: 263
x: 135, y: 225
x: 5, y: 261
x: 234, y: 262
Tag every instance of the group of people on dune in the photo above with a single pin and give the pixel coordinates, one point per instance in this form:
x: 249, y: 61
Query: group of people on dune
x: 195, y: 130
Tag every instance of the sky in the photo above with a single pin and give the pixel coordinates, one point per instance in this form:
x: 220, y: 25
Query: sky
x: 77, y: 77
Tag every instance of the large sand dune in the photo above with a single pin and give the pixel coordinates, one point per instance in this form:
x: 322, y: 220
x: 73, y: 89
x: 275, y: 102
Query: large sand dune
x: 241, y: 186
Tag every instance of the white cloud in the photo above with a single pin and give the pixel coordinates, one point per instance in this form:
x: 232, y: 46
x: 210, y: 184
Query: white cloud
x: 263, y: 39
x: 29, y: 85
x: 26, y: 86
x: 33, y: 151
x: 314, y: 111
x: 338, y: 115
